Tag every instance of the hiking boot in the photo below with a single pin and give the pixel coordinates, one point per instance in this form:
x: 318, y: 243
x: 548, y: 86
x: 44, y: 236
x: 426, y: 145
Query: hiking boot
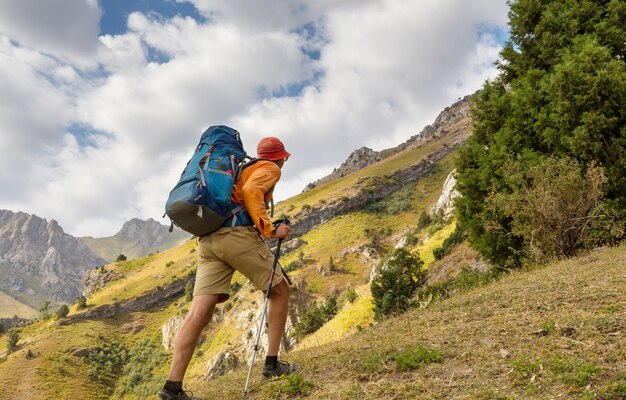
x: 165, y: 394
x: 281, y: 368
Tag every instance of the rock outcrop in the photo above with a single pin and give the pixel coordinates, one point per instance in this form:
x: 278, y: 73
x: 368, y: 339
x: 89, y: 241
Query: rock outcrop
x: 377, y: 189
x: 39, y: 261
x: 221, y: 364
x: 95, y: 279
x: 358, y: 159
x: 445, y: 203
x: 365, y: 156
x: 139, y: 303
x: 169, y: 331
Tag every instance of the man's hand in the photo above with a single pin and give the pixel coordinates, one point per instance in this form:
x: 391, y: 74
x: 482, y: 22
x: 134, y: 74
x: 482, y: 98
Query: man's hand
x: 281, y: 231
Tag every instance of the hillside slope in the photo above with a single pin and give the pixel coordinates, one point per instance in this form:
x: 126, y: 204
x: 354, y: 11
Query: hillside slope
x: 554, y: 332
x: 137, y: 238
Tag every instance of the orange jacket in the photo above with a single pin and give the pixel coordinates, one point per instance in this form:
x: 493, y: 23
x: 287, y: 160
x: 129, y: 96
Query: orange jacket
x: 253, y: 191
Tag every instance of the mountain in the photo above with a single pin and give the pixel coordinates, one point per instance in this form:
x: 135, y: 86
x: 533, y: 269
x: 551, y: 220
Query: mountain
x: 137, y: 238
x: 39, y: 261
x: 364, y: 156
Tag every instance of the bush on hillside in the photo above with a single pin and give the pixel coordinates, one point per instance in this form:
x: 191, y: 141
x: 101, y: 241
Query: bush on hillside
x: 44, y: 311
x: 351, y: 295
x: 62, y: 312
x: 121, y: 257
x: 316, y: 316
x: 189, y: 291
x: 554, y: 207
x: 142, y: 374
x: 423, y: 221
x: 106, y: 363
x: 81, y: 303
x: 396, y: 282
x: 12, y: 339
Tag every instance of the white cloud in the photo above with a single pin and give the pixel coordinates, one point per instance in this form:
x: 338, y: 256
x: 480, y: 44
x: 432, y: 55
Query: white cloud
x: 386, y: 68
x: 63, y: 28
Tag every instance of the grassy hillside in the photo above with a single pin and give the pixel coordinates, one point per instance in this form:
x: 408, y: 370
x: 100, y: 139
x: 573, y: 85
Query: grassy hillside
x: 110, y: 247
x: 10, y: 307
x: 555, y: 331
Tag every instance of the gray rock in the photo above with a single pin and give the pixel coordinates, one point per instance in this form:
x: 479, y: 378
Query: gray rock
x: 96, y: 279
x: 40, y: 261
x: 221, y: 364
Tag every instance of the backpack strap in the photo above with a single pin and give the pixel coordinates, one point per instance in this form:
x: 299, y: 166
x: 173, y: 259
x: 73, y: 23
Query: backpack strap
x: 234, y: 213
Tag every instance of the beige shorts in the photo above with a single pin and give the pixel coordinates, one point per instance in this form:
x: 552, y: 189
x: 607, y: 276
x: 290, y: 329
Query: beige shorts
x: 232, y: 249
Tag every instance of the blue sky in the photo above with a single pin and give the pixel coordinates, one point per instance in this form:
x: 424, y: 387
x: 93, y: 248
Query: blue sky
x: 115, y: 12
x: 111, y: 96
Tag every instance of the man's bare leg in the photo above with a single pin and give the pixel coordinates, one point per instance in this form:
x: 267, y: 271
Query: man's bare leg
x: 277, y: 316
x: 197, y: 318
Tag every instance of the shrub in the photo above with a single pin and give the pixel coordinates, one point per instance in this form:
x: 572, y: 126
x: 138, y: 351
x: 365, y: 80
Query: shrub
x: 44, y: 311
x: 424, y: 220
x: 292, y: 266
x: 62, y: 311
x: 189, y: 291
x: 121, y: 257
x: 294, y: 384
x: 396, y: 282
x: 81, y: 303
x: 235, y: 286
x: 142, y: 373
x: 351, y: 295
x: 169, y: 264
x: 554, y: 206
x: 316, y: 316
x: 12, y: 339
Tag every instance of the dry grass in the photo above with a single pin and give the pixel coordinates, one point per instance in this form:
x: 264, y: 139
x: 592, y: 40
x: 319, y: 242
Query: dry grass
x: 10, y: 307
x: 554, y: 332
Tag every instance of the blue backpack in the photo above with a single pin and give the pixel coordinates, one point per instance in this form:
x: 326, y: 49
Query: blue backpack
x: 201, y: 200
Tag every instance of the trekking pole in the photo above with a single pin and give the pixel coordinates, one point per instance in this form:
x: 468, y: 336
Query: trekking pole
x: 267, y: 297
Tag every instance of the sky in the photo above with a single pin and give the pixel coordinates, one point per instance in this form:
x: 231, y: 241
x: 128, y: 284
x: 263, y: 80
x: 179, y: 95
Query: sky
x: 102, y: 102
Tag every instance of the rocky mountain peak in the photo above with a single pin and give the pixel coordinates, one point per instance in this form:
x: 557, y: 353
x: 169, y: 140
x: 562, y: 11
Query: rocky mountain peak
x: 139, y: 227
x: 358, y: 159
x: 365, y: 156
x: 39, y: 261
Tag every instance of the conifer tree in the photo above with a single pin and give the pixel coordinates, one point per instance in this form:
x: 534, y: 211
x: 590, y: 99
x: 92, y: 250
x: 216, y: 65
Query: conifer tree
x: 561, y: 92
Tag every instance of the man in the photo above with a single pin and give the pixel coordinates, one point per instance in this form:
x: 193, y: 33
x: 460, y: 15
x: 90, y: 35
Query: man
x: 240, y: 248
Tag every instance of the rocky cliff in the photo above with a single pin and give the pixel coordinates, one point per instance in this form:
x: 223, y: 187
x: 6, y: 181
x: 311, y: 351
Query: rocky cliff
x: 365, y: 156
x: 39, y: 261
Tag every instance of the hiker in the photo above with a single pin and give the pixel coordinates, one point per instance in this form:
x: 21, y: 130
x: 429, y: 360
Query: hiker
x: 239, y: 247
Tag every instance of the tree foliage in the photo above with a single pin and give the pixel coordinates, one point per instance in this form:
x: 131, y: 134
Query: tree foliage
x: 560, y: 93
x: 396, y: 282
x: 316, y: 316
x: 12, y: 339
x: 62, y: 311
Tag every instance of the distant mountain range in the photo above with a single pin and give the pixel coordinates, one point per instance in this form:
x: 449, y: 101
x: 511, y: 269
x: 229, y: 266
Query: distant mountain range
x: 137, y: 238
x: 39, y: 261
